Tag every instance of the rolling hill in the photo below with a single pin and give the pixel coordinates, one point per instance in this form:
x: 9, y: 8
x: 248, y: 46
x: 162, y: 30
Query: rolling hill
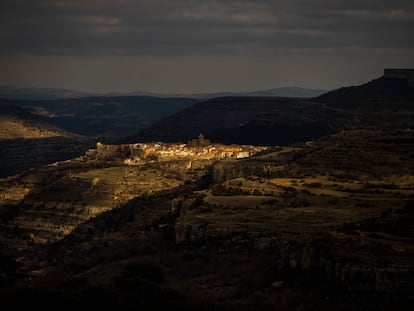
x: 28, y: 141
x: 16, y: 122
x: 35, y: 133
x: 386, y: 102
x: 215, y: 115
x: 381, y: 93
x: 103, y: 116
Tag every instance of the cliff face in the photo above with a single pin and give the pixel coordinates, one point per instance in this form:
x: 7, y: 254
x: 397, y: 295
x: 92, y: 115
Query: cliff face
x: 222, y: 171
x: 315, y: 208
x: 46, y: 204
x: 273, y: 163
x: 326, y: 253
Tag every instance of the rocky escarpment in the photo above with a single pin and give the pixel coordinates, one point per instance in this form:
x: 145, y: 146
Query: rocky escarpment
x: 267, y: 163
x: 344, y: 155
x: 339, y: 205
x: 228, y: 170
x: 307, y: 232
x: 359, y: 260
x: 145, y: 225
x: 355, y: 256
x: 46, y: 204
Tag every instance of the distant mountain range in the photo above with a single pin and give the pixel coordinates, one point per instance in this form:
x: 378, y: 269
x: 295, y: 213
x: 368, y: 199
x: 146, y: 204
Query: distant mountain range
x: 249, y: 118
x: 292, y: 91
x: 34, y: 93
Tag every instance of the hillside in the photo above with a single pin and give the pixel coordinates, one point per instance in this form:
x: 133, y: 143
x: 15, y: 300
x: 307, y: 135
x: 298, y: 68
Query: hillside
x: 382, y: 93
x: 284, y: 228
x: 103, y: 116
x: 28, y: 140
x: 386, y: 102
x: 214, y: 115
x: 46, y: 131
x: 16, y: 122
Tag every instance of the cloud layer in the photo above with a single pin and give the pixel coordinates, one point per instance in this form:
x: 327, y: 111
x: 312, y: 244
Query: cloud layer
x: 184, y: 28
x: 165, y: 27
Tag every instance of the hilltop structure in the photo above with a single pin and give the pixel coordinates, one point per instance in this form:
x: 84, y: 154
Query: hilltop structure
x: 201, y: 141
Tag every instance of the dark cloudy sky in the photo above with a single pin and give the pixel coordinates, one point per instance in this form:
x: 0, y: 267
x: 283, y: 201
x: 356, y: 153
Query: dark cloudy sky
x: 196, y: 46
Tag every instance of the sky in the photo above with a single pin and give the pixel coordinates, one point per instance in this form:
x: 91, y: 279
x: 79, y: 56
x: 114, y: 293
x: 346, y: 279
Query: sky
x: 182, y: 46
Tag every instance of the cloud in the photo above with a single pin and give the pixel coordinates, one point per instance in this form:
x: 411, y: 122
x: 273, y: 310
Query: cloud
x: 202, y: 45
x: 164, y: 27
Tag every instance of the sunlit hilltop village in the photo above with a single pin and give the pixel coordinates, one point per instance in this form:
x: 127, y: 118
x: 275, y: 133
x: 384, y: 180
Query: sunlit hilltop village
x: 201, y: 148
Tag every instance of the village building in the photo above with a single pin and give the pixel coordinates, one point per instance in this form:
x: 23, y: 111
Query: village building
x: 200, y: 147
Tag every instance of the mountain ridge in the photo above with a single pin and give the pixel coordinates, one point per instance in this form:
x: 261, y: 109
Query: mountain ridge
x: 39, y: 93
x: 385, y: 102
